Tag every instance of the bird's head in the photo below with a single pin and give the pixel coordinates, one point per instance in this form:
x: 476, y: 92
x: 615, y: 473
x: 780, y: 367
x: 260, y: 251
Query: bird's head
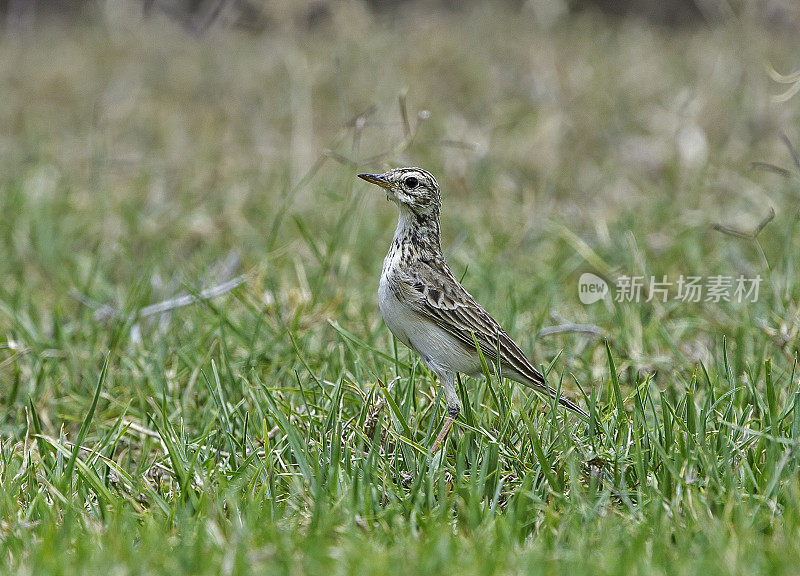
x: 413, y: 188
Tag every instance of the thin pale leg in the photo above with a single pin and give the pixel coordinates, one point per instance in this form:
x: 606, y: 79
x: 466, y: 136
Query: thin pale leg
x: 453, y: 409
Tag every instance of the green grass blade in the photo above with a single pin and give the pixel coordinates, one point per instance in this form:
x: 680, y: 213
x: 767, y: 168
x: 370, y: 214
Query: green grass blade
x: 84, y: 430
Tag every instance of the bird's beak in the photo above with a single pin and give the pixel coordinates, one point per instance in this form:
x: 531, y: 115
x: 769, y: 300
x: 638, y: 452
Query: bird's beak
x: 376, y: 179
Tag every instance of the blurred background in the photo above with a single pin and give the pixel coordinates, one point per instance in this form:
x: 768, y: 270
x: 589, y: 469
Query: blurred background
x: 558, y: 95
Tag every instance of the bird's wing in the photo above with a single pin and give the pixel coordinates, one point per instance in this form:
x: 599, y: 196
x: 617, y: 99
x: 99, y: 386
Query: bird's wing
x: 433, y: 292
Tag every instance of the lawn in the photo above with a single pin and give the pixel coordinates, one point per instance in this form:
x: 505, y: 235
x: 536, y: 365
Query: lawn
x: 195, y: 377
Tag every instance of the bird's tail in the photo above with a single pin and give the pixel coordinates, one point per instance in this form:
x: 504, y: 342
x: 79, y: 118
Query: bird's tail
x: 535, y: 380
x: 567, y: 403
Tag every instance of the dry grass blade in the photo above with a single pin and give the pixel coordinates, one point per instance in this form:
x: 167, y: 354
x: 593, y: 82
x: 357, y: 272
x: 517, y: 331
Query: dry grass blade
x: 793, y: 79
x: 570, y: 328
x: 746, y: 234
x: 767, y: 167
x: 789, y: 145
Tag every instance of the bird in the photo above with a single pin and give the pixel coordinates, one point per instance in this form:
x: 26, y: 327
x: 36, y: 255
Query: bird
x: 427, y: 308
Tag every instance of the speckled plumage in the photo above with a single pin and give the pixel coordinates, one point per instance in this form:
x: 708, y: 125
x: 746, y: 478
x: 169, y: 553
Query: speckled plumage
x: 428, y: 309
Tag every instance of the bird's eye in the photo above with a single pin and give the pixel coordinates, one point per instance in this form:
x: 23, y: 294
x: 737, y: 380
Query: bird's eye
x: 411, y: 182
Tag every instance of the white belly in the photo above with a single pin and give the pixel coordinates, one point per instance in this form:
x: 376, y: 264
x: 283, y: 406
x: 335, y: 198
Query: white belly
x: 440, y: 351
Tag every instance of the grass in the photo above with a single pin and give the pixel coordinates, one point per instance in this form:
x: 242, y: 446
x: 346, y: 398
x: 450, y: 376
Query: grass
x: 278, y: 427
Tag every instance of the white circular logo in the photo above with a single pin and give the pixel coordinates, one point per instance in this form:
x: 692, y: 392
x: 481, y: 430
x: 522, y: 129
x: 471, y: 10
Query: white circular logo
x: 591, y: 288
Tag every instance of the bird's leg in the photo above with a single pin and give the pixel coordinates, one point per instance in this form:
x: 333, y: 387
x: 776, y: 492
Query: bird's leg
x: 453, y: 409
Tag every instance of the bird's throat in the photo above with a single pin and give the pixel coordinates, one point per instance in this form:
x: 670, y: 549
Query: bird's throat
x: 420, y: 230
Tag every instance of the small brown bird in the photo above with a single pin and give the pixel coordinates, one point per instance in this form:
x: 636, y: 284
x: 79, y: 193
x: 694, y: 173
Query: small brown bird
x: 429, y: 311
